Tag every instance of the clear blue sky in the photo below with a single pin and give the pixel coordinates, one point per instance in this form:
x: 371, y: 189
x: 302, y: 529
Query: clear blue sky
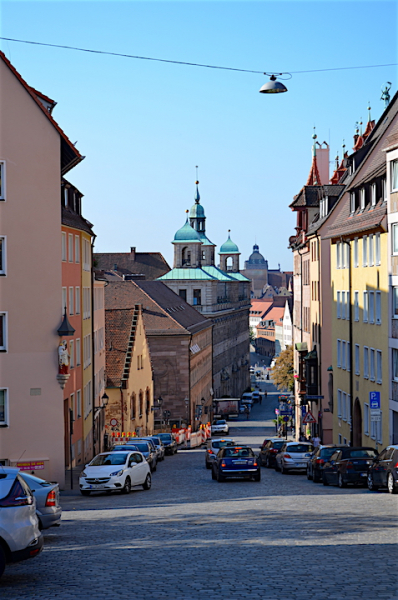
x: 143, y: 126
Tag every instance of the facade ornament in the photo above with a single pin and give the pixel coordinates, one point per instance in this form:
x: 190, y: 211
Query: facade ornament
x: 385, y: 94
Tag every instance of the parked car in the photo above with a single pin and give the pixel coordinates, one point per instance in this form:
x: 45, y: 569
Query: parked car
x: 158, y: 446
x: 269, y: 451
x: 220, y: 426
x: 256, y: 397
x: 293, y: 456
x: 48, y: 509
x: 20, y: 537
x: 319, y: 457
x: 213, y: 447
x: 348, y: 465
x: 143, y: 446
x: 116, y: 470
x: 169, y: 443
x: 383, y: 472
x: 236, y: 461
x: 246, y: 398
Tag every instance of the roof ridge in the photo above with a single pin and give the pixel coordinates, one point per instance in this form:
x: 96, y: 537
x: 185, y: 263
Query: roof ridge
x: 161, y: 308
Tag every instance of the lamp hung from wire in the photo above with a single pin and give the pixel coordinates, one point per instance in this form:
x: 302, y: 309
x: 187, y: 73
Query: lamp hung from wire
x: 273, y: 86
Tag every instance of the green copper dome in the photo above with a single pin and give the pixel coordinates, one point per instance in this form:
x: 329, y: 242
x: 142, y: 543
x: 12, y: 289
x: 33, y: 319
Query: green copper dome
x: 197, y: 211
x: 186, y: 234
x: 229, y: 247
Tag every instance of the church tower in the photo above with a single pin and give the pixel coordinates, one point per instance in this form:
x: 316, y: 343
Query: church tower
x: 197, y: 221
x: 229, y: 250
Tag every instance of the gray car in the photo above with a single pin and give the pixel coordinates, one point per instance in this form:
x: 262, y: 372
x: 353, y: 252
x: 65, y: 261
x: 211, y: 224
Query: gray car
x: 48, y: 509
x: 158, y: 445
x: 213, y: 447
x: 293, y: 456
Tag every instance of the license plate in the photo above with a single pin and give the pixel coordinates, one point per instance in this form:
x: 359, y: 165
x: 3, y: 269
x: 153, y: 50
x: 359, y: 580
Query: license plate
x: 363, y: 474
x: 239, y: 462
x: 300, y: 464
x: 94, y: 485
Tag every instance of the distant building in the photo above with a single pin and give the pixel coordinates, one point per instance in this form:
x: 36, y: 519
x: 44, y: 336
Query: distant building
x: 132, y: 265
x: 264, y: 281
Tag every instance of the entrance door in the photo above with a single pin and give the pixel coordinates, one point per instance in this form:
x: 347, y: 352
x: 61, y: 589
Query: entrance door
x: 357, y: 424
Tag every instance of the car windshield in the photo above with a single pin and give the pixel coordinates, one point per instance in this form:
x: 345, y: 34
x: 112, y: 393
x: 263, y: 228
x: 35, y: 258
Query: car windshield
x: 327, y: 452
x: 238, y: 452
x: 113, y: 458
x: 142, y: 447
x: 165, y: 436
x: 157, y: 441
x: 222, y: 444
x: 221, y: 422
x: 363, y: 453
x: 124, y: 448
x: 31, y: 480
x: 277, y: 445
x: 299, y: 448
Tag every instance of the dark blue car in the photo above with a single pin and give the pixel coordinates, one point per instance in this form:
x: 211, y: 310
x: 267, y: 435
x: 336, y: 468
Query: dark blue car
x: 236, y: 461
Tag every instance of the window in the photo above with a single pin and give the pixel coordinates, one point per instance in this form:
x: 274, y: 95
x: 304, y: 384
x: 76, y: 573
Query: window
x: 365, y: 307
x: 70, y: 246
x: 348, y: 357
x: 394, y: 175
x: 71, y: 298
x: 372, y: 364
x: 377, y: 249
x: 86, y: 351
x: 3, y: 406
x: 141, y: 402
x: 366, y: 415
x: 379, y: 367
x: 352, y: 202
x: 339, y: 353
x: 371, y: 253
x: 357, y: 368
x: 356, y: 306
x: 343, y: 355
x: 342, y: 305
x: 378, y: 308
x: 395, y: 302
x: 395, y: 364
x: 133, y: 405
x: 356, y: 262
x: 372, y: 429
x: 339, y: 404
x: 197, y: 297
x: 362, y: 197
x: 183, y: 294
x: 338, y: 306
x: 87, y: 399
x: 77, y: 249
x: 2, y: 255
x: 2, y: 181
x: 86, y: 303
x: 347, y: 307
x: 71, y: 354
x: 340, y: 439
x: 86, y: 255
x: 384, y: 189
x: 394, y: 233
x: 366, y: 362
x: 349, y: 408
x: 344, y: 407
x: 63, y: 247
x: 78, y: 352
x: 338, y: 255
x: 77, y: 305
x: 365, y: 251
x: 371, y: 316
x: 373, y: 194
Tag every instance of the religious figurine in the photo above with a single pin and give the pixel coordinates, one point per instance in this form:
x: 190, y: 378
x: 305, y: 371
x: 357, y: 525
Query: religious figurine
x: 63, y: 358
x: 385, y: 94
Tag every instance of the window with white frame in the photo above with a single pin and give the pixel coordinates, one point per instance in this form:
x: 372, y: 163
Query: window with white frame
x: 77, y: 249
x: 377, y: 249
x: 352, y: 202
x: 64, y: 300
x: 378, y: 308
x: 86, y: 255
x: 362, y: 197
x: 371, y: 251
x: 371, y: 315
x: 395, y: 302
x: 340, y: 439
x: 86, y: 351
x: 338, y: 258
x: 338, y: 305
x: 77, y: 303
x: 366, y: 415
x: 357, y: 359
x: 342, y: 313
x: 72, y: 354
x: 3, y: 267
x: 3, y: 332
x: 372, y: 364
x: 339, y: 353
x: 356, y: 260
x: 394, y: 235
x: 379, y: 429
x: 365, y: 307
x: 78, y: 352
x: 395, y: 364
x: 339, y: 404
x: 63, y: 246
x: 87, y: 399
x: 71, y: 300
x: 384, y: 189
x: 70, y: 247
x: 349, y: 408
x: 3, y: 407
x: 344, y: 406
x: 365, y: 251
x: 347, y: 306
x: 394, y: 175
x: 373, y: 194
x: 356, y: 306
x: 78, y: 404
x: 348, y: 357
x: 379, y: 367
x: 366, y: 362
x: 86, y: 303
x: 343, y: 355
x: 372, y: 429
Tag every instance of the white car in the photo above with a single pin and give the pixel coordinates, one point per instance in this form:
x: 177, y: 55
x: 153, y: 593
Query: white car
x: 111, y: 471
x: 293, y: 456
x: 20, y: 537
x: 220, y: 426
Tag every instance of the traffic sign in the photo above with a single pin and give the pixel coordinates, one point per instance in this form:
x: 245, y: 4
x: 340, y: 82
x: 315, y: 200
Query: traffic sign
x: 375, y: 416
x: 277, y: 411
x: 309, y: 418
x: 286, y: 419
x: 286, y: 412
x: 374, y: 400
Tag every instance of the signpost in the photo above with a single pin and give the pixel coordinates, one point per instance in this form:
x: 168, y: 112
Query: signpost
x: 309, y: 418
x: 374, y: 403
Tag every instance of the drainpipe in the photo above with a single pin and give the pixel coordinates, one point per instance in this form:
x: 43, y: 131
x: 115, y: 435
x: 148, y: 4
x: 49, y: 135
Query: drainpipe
x: 92, y: 344
x: 350, y: 335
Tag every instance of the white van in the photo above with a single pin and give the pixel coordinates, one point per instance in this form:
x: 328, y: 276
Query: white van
x: 247, y: 398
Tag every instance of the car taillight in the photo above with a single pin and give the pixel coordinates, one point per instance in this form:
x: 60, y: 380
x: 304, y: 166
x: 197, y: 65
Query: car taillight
x: 210, y: 452
x: 274, y: 451
x: 349, y: 465
x: 51, y: 499
x: 223, y: 464
x: 16, y: 497
x: 287, y: 456
x: 319, y: 461
x: 395, y: 466
x: 255, y: 464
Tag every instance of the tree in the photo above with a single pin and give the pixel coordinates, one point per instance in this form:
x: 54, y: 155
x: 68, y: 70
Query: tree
x: 282, y: 372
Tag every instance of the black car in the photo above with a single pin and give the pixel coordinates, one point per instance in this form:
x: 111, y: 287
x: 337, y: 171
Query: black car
x: 236, y: 461
x: 169, y: 443
x: 348, y: 465
x: 142, y: 446
x: 383, y: 472
x: 320, y: 456
x: 269, y: 451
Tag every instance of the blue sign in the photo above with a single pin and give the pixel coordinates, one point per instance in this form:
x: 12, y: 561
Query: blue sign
x: 374, y: 400
x: 285, y: 412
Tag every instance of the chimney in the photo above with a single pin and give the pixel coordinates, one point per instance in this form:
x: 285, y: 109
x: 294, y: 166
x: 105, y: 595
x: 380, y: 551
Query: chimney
x: 132, y: 252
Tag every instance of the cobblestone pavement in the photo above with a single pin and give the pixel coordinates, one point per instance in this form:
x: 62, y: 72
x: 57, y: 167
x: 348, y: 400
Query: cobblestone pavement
x: 193, y: 538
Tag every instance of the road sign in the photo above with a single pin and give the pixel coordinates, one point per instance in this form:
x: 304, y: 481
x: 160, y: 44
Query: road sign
x: 286, y: 412
x: 286, y: 419
x: 277, y: 411
x: 314, y: 397
x: 114, y: 422
x: 375, y: 416
x: 309, y: 418
x: 374, y: 400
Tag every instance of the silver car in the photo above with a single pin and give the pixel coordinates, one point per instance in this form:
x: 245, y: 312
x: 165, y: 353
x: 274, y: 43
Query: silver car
x: 213, y: 447
x: 48, y: 509
x: 293, y: 456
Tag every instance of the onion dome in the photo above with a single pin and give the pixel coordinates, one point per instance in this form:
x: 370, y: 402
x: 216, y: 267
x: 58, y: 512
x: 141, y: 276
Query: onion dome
x: 229, y: 247
x: 187, y: 234
x: 197, y: 210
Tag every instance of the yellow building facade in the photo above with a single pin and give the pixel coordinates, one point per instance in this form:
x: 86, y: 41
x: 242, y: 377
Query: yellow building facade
x: 87, y: 345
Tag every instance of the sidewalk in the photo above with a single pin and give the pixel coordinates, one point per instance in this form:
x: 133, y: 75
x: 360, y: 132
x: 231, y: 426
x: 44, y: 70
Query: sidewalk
x: 75, y: 475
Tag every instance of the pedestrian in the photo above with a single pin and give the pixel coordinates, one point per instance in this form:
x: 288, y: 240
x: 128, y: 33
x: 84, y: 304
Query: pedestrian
x: 265, y: 395
x: 316, y: 441
x: 247, y: 412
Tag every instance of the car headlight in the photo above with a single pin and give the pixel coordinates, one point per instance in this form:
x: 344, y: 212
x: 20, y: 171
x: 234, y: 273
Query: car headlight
x: 83, y: 474
x: 117, y: 473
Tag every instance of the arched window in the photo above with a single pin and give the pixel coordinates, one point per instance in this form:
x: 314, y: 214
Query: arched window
x: 229, y: 263
x: 141, y: 401
x: 147, y: 401
x: 186, y: 256
x: 133, y: 405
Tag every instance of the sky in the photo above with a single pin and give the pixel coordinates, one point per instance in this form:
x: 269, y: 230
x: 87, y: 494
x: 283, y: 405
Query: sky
x: 143, y: 126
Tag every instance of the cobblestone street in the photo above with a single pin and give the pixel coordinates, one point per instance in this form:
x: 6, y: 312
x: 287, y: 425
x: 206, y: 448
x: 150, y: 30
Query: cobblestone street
x: 190, y: 537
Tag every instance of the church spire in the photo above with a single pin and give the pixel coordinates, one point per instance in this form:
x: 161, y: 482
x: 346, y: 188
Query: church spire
x: 313, y: 177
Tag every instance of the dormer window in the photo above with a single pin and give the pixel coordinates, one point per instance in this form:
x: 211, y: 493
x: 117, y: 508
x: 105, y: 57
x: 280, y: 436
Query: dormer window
x: 394, y: 176
x: 352, y: 202
x: 373, y: 194
x: 362, y: 197
x: 384, y: 189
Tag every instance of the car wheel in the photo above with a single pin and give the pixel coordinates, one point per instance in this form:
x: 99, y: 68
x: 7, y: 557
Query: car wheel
x: 257, y: 477
x: 155, y: 466
x: 277, y: 466
x: 316, y: 478
x: 208, y: 465
x: 371, y: 486
x: 148, y: 482
x: 85, y: 492
x: 2, y: 561
x: 126, y: 489
x: 213, y: 474
x: 391, y: 485
x: 284, y: 471
x: 108, y: 492
x: 309, y: 476
x: 267, y: 463
x: 220, y: 477
x: 342, y: 483
x: 324, y: 480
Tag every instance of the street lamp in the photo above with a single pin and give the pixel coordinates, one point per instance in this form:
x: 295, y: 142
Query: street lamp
x: 272, y: 86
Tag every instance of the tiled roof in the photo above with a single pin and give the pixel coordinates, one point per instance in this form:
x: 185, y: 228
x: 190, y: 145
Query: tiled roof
x: 370, y: 218
x: 150, y: 264
x: 72, y: 219
x: 120, y: 327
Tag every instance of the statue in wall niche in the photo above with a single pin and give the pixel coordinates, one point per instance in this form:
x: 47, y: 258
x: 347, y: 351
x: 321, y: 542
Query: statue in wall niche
x: 63, y: 358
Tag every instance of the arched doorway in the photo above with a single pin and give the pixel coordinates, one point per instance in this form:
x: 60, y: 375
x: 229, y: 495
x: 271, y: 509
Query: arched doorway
x: 357, y: 424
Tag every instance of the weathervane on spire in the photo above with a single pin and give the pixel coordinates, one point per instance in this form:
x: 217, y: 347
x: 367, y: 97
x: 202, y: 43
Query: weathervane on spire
x: 197, y: 195
x: 369, y: 108
x: 314, y: 137
x: 385, y: 94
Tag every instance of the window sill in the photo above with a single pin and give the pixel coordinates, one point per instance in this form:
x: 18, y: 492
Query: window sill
x: 4, y: 425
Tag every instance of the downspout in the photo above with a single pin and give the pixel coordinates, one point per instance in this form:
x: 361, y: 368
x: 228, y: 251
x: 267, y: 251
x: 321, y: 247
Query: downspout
x: 92, y: 344
x: 350, y: 335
